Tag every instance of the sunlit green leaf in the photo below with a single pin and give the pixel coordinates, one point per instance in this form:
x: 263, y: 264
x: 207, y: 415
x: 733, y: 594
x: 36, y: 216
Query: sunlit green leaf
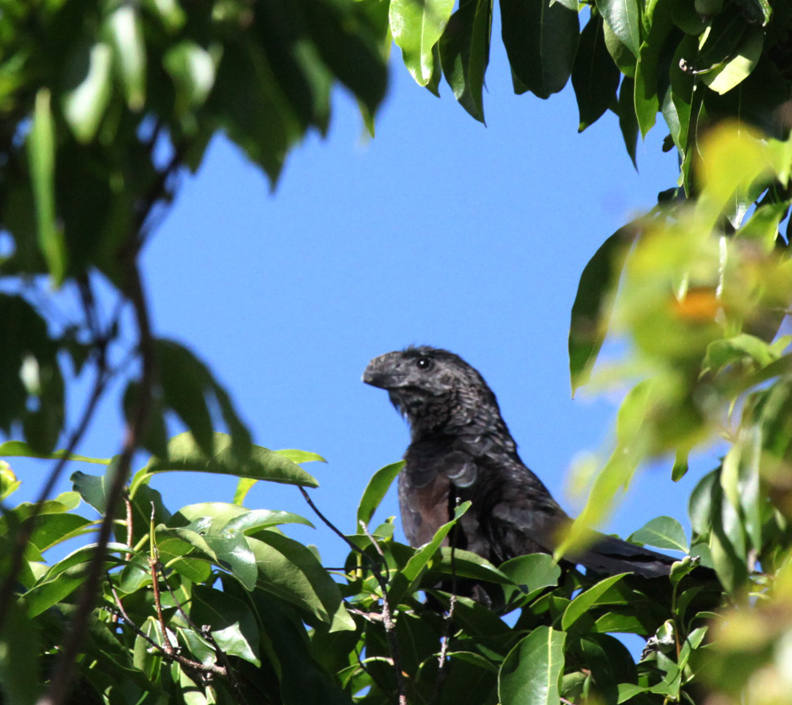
x: 532, y: 671
x: 262, y: 463
x: 623, y: 17
x: 85, y: 104
x: 232, y: 624
x: 375, y: 491
x: 416, y: 26
x: 586, y: 600
x: 125, y: 30
x: 662, y: 532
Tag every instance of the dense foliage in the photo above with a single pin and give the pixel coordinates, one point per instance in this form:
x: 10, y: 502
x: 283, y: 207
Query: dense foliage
x: 103, y: 103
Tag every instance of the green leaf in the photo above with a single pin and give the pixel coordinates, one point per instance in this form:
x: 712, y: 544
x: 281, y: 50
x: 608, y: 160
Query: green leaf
x: 20, y: 667
x: 733, y: 72
x: 289, y: 570
x: 530, y: 573
x: 41, y: 153
x: 628, y: 121
x: 346, y: 43
x: 262, y: 463
x: 662, y: 532
x: 125, y: 31
x: 416, y: 26
x: 85, y: 103
x: 734, y: 350
x: 623, y: 17
x: 300, y: 456
x: 423, y: 555
x: 464, y: 52
x: 230, y: 620
x: 257, y: 519
x: 376, y: 490
x: 52, y: 529
x: 647, y: 103
x: 464, y: 564
x: 608, y: 660
x: 301, y: 678
x: 595, y: 77
x: 94, y: 489
x: 541, y: 39
x: 586, y: 600
x: 252, y: 108
x: 21, y: 449
x: 532, y: 671
x: 192, y: 69
x: 594, y: 302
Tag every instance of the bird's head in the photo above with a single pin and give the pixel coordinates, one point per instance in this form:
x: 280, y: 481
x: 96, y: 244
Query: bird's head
x: 434, y: 389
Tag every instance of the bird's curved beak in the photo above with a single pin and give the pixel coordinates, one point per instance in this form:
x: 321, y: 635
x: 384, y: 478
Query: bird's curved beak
x: 380, y: 373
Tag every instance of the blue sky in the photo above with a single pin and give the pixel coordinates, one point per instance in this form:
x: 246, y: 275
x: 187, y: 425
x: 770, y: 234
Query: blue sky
x: 438, y: 231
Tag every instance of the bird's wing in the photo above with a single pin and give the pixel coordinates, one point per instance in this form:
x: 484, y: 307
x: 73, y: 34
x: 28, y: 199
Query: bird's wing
x: 424, y: 505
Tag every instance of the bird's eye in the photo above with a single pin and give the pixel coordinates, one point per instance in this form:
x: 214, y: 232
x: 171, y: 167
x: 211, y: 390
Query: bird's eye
x: 424, y: 363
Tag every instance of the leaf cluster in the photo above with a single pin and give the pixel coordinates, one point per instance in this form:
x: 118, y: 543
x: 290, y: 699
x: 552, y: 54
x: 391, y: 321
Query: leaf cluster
x: 214, y: 603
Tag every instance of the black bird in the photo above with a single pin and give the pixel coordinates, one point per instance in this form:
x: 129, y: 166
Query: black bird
x: 460, y: 450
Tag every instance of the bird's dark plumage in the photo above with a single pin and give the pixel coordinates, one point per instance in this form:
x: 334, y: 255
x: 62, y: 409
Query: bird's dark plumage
x: 462, y: 450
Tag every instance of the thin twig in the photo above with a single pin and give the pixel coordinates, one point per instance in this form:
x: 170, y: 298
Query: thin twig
x: 382, y: 579
x: 119, y: 611
x: 65, y: 668
x: 26, y: 530
x: 442, y: 665
x: 206, y: 633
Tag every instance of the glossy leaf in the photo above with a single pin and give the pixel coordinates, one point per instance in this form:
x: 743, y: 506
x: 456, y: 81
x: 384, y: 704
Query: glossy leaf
x: 734, y: 71
x: 532, y: 671
x: 662, y: 532
x: 595, y: 77
x: 416, y: 26
x: 541, y: 39
x: 289, y: 570
x: 232, y: 623
x: 376, y: 490
x: 464, y: 52
x: 628, y: 122
x: 531, y: 573
x: 623, y: 17
x: 262, y: 464
x: 586, y: 600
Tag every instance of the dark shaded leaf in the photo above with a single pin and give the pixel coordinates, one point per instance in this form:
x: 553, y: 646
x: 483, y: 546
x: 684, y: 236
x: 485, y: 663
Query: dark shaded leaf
x: 594, y: 301
x: 464, y: 52
x: 628, y: 122
x: 20, y: 665
x: 541, y: 40
x: 595, y: 77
